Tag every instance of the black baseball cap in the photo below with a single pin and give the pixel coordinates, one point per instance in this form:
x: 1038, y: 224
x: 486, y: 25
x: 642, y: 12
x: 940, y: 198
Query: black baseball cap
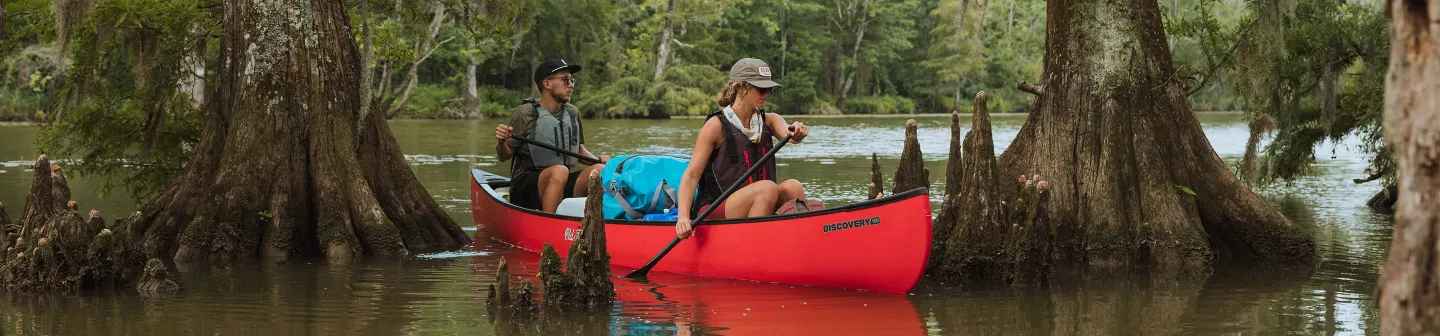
x: 553, y: 65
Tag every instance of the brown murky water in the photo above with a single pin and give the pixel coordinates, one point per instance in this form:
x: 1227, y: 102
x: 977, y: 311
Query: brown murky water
x: 444, y: 293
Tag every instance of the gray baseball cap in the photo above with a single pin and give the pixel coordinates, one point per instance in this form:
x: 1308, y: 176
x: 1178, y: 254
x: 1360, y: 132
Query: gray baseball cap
x: 752, y: 71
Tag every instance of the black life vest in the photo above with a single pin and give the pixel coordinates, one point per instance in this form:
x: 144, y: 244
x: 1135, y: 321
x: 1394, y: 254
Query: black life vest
x: 729, y: 161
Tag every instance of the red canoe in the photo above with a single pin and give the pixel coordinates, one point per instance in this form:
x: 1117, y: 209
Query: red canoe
x: 879, y: 245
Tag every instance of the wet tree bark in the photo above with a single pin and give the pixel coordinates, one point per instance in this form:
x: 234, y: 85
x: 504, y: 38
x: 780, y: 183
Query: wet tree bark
x: 584, y: 285
x: 1135, y: 181
x: 877, y: 183
x: 57, y: 250
x: 282, y: 169
x: 911, y: 172
x: 971, y: 230
x: 979, y: 236
x: 1384, y: 200
x: 1409, y: 291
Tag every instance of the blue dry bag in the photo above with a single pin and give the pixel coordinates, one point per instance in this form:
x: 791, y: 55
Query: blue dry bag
x: 638, y: 185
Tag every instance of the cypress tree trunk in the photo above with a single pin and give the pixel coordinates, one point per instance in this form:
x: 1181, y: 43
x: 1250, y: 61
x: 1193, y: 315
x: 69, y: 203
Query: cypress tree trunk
x: 1410, y: 282
x: 1134, y: 180
x: 282, y: 168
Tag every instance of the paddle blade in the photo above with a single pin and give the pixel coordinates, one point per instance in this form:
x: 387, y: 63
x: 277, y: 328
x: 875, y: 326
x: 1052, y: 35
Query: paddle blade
x: 637, y: 274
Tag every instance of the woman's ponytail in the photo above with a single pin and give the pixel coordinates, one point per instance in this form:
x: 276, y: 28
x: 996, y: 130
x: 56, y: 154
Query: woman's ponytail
x: 731, y: 92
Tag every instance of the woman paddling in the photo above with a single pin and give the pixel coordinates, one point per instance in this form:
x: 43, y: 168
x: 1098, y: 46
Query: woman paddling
x: 729, y: 142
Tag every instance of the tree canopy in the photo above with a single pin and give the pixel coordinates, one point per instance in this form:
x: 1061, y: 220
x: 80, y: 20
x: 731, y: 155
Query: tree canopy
x: 122, y: 83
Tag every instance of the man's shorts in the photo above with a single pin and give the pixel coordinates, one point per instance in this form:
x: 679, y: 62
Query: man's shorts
x: 525, y: 188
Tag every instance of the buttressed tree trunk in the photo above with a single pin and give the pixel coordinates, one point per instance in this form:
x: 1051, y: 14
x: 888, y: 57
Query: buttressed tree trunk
x: 1410, y: 282
x: 1134, y: 180
x: 281, y: 169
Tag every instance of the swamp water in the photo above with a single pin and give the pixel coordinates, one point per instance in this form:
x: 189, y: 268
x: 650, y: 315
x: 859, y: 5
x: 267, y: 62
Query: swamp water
x: 444, y: 293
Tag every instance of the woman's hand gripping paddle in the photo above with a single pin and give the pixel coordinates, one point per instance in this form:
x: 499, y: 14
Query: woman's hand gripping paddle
x: 640, y: 273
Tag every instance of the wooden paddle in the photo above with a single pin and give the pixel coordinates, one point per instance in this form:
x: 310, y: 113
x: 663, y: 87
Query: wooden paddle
x: 640, y: 273
x: 587, y: 158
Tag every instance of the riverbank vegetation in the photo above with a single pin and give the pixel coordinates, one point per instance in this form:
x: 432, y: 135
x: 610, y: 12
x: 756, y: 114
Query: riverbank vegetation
x: 659, y: 58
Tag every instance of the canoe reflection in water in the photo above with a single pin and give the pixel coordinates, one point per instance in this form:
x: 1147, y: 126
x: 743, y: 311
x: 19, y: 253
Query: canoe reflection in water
x: 667, y: 303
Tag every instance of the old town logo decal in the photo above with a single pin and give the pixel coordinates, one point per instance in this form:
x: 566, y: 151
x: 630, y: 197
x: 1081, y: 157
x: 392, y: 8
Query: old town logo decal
x: 851, y: 224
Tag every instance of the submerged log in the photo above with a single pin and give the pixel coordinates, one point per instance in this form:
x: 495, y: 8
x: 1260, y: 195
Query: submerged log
x: 1384, y: 200
x: 911, y: 173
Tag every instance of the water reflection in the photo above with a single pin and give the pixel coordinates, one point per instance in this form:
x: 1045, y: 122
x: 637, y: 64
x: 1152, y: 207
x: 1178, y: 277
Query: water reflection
x: 444, y: 293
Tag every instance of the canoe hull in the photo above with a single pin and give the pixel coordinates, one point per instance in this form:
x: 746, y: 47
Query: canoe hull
x: 879, y: 246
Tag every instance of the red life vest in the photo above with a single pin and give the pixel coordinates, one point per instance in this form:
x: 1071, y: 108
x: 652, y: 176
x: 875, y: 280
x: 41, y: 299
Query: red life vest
x: 731, y: 159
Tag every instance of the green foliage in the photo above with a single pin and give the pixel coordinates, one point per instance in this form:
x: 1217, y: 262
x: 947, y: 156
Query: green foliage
x: 1185, y: 190
x: 120, y: 112
x: 879, y: 105
x: 434, y: 102
x: 1314, y: 68
x: 119, y: 107
x: 27, y: 81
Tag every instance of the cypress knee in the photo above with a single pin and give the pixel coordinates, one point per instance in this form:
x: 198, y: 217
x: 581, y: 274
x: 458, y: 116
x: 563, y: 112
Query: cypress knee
x: 975, y: 225
x: 945, y: 221
x: 877, y: 183
x: 911, y: 173
x: 584, y: 284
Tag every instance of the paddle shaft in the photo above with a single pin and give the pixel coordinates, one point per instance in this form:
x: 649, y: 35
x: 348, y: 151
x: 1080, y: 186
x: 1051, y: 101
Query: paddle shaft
x: 713, y: 205
x: 556, y: 149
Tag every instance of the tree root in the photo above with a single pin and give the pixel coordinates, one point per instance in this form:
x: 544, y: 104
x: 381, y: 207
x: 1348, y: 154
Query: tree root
x: 68, y: 253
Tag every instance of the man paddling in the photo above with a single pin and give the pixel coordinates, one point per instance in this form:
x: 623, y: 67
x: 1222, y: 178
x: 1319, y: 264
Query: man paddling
x: 540, y: 178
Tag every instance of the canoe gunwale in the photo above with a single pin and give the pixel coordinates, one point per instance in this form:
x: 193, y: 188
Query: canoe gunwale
x: 477, y: 174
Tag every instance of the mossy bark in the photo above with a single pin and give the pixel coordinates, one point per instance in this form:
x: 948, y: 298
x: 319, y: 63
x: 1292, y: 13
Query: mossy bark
x: 981, y: 237
x: 1409, y: 291
x: 287, y: 112
x: 584, y: 284
x: 911, y: 172
x: 944, y: 221
x: 1135, y: 181
x: 156, y: 280
x: 577, y: 298
x: 8, y: 231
